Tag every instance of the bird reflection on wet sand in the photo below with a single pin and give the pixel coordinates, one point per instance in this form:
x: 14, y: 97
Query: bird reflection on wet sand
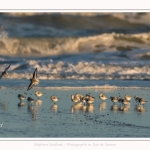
x: 114, y: 107
x: 102, y: 106
x: 80, y: 107
x: 90, y: 108
x: 139, y: 108
x: 83, y: 108
x: 21, y: 104
x: 33, y: 110
x: 124, y: 108
x: 4, y: 106
x: 76, y: 107
x: 38, y: 102
x: 54, y: 108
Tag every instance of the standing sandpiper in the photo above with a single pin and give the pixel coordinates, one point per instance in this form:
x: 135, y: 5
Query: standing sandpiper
x: 54, y: 98
x: 128, y: 97
x: 38, y: 94
x: 30, y: 100
x: 102, y: 97
x: 114, y: 99
x: 21, y: 97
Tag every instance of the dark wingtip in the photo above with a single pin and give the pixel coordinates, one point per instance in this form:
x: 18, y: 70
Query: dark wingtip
x: 9, y: 65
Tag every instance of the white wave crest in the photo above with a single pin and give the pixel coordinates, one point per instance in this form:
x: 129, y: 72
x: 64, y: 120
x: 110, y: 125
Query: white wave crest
x: 59, y: 46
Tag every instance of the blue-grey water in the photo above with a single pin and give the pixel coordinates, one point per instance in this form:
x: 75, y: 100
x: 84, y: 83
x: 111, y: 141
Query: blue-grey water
x: 66, y: 119
x: 82, y: 46
x: 74, y: 52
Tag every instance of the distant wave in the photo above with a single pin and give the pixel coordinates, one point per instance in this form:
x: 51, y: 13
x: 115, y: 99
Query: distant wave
x: 132, y: 17
x: 24, y: 47
x: 72, y: 24
x: 81, y: 67
x: 79, y: 77
x: 76, y: 46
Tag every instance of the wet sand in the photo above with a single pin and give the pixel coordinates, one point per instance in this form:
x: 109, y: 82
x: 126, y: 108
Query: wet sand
x: 66, y: 119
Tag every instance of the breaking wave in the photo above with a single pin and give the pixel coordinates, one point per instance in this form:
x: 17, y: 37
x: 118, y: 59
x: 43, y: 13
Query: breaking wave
x: 28, y: 47
x: 61, y: 49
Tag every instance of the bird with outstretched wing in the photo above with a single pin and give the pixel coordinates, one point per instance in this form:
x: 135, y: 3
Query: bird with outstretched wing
x: 5, y: 73
x: 34, y: 80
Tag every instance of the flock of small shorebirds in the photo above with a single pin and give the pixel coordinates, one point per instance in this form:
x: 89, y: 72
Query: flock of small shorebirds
x: 88, y: 100
x: 77, y: 98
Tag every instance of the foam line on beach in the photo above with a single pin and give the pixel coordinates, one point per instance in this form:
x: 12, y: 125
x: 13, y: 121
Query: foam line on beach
x: 113, y: 87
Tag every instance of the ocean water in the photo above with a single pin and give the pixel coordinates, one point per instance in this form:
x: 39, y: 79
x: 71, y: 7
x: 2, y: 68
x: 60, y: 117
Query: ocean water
x: 75, y: 52
x: 76, y: 45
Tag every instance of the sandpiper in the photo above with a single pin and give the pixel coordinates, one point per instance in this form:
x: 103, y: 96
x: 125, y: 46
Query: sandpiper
x: 79, y: 95
x: 83, y: 100
x: 102, y: 97
x: 90, y: 100
x: 30, y: 100
x: 54, y: 98
x: 114, y: 99
x: 34, y: 80
x: 38, y: 94
x: 21, y: 97
x: 136, y: 98
x: 128, y: 97
x: 75, y: 98
x: 124, y: 101
x: 5, y: 73
x: 142, y: 101
x: 87, y: 96
x: 120, y: 99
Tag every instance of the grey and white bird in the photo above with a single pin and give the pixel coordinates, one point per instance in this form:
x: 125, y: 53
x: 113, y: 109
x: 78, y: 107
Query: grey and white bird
x: 38, y: 94
x: 127, y: 97
x: 34, y: 80
x: 90, y: 100
x: 21, y: 97
x: 54, y: 98
x: 79, y: 95
x: 75, y: 98
x: 102, y: 97
x: 142, y: 101
x: 88, y: 96
x: 30, y: 100
x: 114, y: 99
x: 5, y: 73
x: 123, y: 101
x: 83, y: 100
x: 137, y: 98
